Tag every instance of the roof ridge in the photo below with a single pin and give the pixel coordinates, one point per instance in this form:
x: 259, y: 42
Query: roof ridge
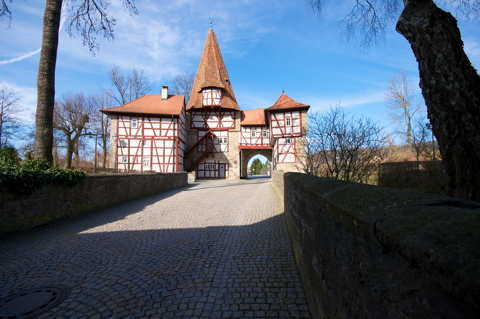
x: 286, y: 102
x: 152, y: 104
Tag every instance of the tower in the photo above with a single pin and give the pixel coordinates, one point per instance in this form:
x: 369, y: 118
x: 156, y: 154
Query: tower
x: 213, y: 121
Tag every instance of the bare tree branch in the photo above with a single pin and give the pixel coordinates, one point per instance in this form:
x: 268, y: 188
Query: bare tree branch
x: 369, y: 20
x: 343, y: 147
x: 73, y: 116
x: 9, y: 108
x: 127, y: 88
x: 4, y: 11
x: 90, y: 18
x: 103, y: 101
x: 401, y: 104
x: 182, y: 85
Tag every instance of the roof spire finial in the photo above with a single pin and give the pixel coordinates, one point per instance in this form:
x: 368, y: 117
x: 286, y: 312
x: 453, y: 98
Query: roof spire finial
x: 283, y: 90
x: 210, y: 23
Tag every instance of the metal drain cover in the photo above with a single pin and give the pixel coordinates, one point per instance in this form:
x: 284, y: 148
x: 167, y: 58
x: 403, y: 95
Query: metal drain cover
x: 32, y: 302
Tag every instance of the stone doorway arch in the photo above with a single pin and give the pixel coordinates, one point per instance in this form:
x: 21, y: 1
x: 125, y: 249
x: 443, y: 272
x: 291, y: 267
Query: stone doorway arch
x: 247, y: 154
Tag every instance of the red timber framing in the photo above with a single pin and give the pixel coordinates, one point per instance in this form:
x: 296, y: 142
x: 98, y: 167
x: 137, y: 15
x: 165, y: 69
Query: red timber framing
x: 157, y: 143
x: 199, y: 150
x: 284, y: 152
x: 257, y: 138
x: 212, y: 170
x: 279, y: 125
x: 212, y: 97
x: 212, y: 119
x: 220, y: 141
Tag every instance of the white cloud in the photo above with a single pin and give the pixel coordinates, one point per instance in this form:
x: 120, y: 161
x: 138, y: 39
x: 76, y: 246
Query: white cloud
x: 27, y: 102
x: 321, y: 104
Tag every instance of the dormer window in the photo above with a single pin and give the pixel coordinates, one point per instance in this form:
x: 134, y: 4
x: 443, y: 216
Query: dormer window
x: 212, y: 97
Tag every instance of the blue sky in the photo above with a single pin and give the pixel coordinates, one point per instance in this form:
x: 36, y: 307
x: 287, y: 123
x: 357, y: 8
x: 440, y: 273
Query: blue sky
x: 266, y: 45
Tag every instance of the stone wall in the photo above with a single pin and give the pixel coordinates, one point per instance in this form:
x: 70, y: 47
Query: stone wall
x: 376, y: 252
x: 97, y: 191
x: 277, y: 181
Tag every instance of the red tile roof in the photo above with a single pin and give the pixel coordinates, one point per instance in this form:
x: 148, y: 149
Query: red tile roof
x: 286, y: 102
x: 253, y: 117
x: 151, y: 104
x: 212, y: 73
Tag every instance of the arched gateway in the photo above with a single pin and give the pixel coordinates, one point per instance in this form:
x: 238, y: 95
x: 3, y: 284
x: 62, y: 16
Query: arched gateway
x: 211, y: 136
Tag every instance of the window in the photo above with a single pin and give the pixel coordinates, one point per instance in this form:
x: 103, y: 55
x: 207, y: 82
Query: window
x: 134, y: 122
x: 288, y: 121
x: 253, y: 133
x: 265, y: 133
x: 124, y: 159
x: 144, y: 143
x: 123, y: 143
x: 210, y: 166
x: 146, y: 161
x: 223, y: 140
x: 211, y: 97
x: 288, y: 140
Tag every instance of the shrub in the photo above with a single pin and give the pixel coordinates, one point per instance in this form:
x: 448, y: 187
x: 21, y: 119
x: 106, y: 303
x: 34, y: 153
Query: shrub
x: 33, y: 174
x: 9, y: 156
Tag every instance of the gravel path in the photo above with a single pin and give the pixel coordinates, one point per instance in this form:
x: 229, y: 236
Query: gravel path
x: 217, y: 249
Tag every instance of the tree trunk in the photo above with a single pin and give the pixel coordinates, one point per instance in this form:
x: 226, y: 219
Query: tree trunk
x: 55, y: 156
x: 1, y: 127
x: 68, y: 157
x: 46, y: 81
x: 451, y: 88
x: 104, y: 159
x: 76, y: 152
x: 409, y: 134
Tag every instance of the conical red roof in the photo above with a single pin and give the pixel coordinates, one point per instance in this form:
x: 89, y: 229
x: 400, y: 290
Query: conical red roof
x: 212, y: 73
x: 286, y: 102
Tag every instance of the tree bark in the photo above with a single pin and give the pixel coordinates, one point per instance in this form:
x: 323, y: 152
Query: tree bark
x: 46, y: 81
x: 1, y: 126
x: 451, y: 88
x: 68, y: 157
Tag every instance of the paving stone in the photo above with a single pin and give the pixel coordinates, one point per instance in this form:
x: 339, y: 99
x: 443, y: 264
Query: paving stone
x: 216, y: 249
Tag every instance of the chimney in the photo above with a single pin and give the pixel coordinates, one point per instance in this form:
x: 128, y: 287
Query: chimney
x: 164, y: 92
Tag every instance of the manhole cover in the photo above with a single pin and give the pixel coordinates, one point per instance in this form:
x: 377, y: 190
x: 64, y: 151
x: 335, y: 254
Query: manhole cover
x: 32, y: 302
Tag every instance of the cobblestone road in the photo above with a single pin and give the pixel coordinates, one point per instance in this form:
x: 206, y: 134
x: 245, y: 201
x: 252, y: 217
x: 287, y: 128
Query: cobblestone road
x: 216, y: 249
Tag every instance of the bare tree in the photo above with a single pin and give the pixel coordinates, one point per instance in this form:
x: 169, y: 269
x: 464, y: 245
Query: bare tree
x: 343, y: 147
x: 183, y: 84
x: 74, y: 115
x: 89, y: 18
x: 448, y: 80
x: 401, y: 104
x: 126, y: 88
x: 103, y: 101
x: 9, y: 108
x: 420, y: 136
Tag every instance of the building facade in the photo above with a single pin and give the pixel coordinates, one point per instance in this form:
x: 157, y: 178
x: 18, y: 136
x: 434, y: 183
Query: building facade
x: 211, y: 136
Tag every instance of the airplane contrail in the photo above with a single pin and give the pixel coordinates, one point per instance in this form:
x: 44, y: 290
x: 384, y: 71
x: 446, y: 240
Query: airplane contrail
x: 29, y: 54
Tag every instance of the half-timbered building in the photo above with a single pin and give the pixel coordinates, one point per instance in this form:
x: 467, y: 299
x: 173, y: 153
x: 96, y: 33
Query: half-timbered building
x: 211, y: 136
x: 148, y: 134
